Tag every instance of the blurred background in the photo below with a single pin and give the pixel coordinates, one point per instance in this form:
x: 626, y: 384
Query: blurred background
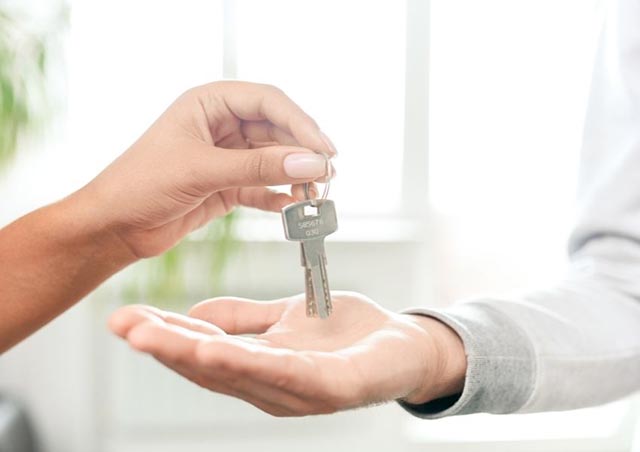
x: 458, y: 125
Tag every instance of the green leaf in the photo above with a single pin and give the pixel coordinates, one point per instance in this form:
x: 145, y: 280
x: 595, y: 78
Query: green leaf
x: 23, y: 72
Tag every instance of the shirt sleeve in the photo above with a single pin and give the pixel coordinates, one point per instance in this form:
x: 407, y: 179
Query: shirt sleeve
x: 577, y: 343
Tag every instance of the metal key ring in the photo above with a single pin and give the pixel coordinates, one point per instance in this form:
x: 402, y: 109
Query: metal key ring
x: 327, y: 185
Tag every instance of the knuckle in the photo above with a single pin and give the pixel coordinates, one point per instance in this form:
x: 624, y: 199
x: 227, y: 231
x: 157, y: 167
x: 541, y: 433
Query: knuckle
x: 282, y: 381
x: 190, y: 94
x: 258, y: 168
x: 273, y: 89
x: 304, y: 120
x: 202, y: 355
x: 207, y: 358
x: 271, y: 133
x: 226, y: 366
x: 285, y: 379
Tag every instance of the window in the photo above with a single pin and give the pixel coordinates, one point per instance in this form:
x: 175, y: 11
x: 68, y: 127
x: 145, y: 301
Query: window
x: 508, y: 89
x: 344, y: 63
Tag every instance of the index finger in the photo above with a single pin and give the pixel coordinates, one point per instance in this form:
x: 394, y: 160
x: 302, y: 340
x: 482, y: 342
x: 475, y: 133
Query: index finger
x: 258, y: 102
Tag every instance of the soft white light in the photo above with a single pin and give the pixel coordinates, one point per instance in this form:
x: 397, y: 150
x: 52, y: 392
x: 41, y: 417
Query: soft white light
x: 343, y: 62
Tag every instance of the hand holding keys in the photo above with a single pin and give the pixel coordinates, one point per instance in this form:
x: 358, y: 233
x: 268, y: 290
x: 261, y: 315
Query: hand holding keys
x: 309, y: 222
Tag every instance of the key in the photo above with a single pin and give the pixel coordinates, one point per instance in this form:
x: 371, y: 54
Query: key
x: 309, y: 222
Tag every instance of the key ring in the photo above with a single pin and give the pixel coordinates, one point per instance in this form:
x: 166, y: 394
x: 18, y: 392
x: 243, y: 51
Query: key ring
x: 327, y: 185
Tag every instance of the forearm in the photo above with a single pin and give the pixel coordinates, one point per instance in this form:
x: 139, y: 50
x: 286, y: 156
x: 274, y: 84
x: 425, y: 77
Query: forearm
x: 552, y: 349
x: 50, y: 259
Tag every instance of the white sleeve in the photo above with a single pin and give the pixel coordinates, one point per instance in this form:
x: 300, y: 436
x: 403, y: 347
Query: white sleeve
x: 577, y: 343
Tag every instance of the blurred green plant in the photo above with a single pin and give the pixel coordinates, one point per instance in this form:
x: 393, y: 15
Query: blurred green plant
x: 24, y: 67
x: 165, y: 280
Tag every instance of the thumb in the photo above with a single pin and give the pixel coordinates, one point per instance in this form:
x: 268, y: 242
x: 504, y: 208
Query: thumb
x: 271, y: 165
x: 239, y: 315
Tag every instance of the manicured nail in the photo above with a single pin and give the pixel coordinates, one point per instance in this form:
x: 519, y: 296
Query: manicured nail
x: 303, y: 166
x: 328, y: 142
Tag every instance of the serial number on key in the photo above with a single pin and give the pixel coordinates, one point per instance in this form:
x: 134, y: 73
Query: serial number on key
x: 310, y: 223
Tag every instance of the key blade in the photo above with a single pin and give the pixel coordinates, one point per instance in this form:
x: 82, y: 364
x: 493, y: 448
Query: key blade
x: 326, y: 302
x: 319, y: 292
x: 312, y: 308
x: 310, y: 300
x: 315, y: 258
x: 303, y: 259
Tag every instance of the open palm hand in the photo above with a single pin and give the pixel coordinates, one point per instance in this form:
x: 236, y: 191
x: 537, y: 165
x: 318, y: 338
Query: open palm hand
x: 274, y: 357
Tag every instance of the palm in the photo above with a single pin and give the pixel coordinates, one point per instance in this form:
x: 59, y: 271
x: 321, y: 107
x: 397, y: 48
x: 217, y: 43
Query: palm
x: 293, y: 365
x: 354, y: 320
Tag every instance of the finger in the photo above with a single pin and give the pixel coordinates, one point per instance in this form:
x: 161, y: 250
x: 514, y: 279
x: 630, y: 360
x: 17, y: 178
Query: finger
x: 126, y: 318
x: 282, y: 370
x: 221, y: 203
x: 175, y: 347
x: 271, y: 165
x: 266, y: 132
x: 183, y: 321
x: 167, y: 343
x: 272, y: 400
x: 260, y: 144
x: 267, y: 398
x: 278, y: 368
x: 239, y: 316
x: 325, y: 178
x: 256, y: 102
x: 263, y: 199
x: 297, y: 191
x: 252, y: 144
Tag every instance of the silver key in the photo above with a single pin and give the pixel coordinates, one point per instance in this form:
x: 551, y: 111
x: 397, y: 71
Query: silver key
x: 309, y: 222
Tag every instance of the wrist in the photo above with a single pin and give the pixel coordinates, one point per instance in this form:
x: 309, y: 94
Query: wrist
x: 445, y: 364
x: 81, y: 222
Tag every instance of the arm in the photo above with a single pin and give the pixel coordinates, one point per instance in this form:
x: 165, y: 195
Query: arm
x: 553, y: 349
x: 216, y: 147
x: 50, y: 259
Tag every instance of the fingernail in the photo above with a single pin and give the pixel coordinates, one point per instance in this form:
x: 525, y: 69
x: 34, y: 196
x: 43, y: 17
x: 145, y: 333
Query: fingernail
x: 304, y: 166
x: 328, y: 142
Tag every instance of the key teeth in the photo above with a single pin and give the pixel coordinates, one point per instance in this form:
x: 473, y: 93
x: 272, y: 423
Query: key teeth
x: 309, y: 296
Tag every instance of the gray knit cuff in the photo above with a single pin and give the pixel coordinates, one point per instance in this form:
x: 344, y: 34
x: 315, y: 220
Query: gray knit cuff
x: 500, y: 362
